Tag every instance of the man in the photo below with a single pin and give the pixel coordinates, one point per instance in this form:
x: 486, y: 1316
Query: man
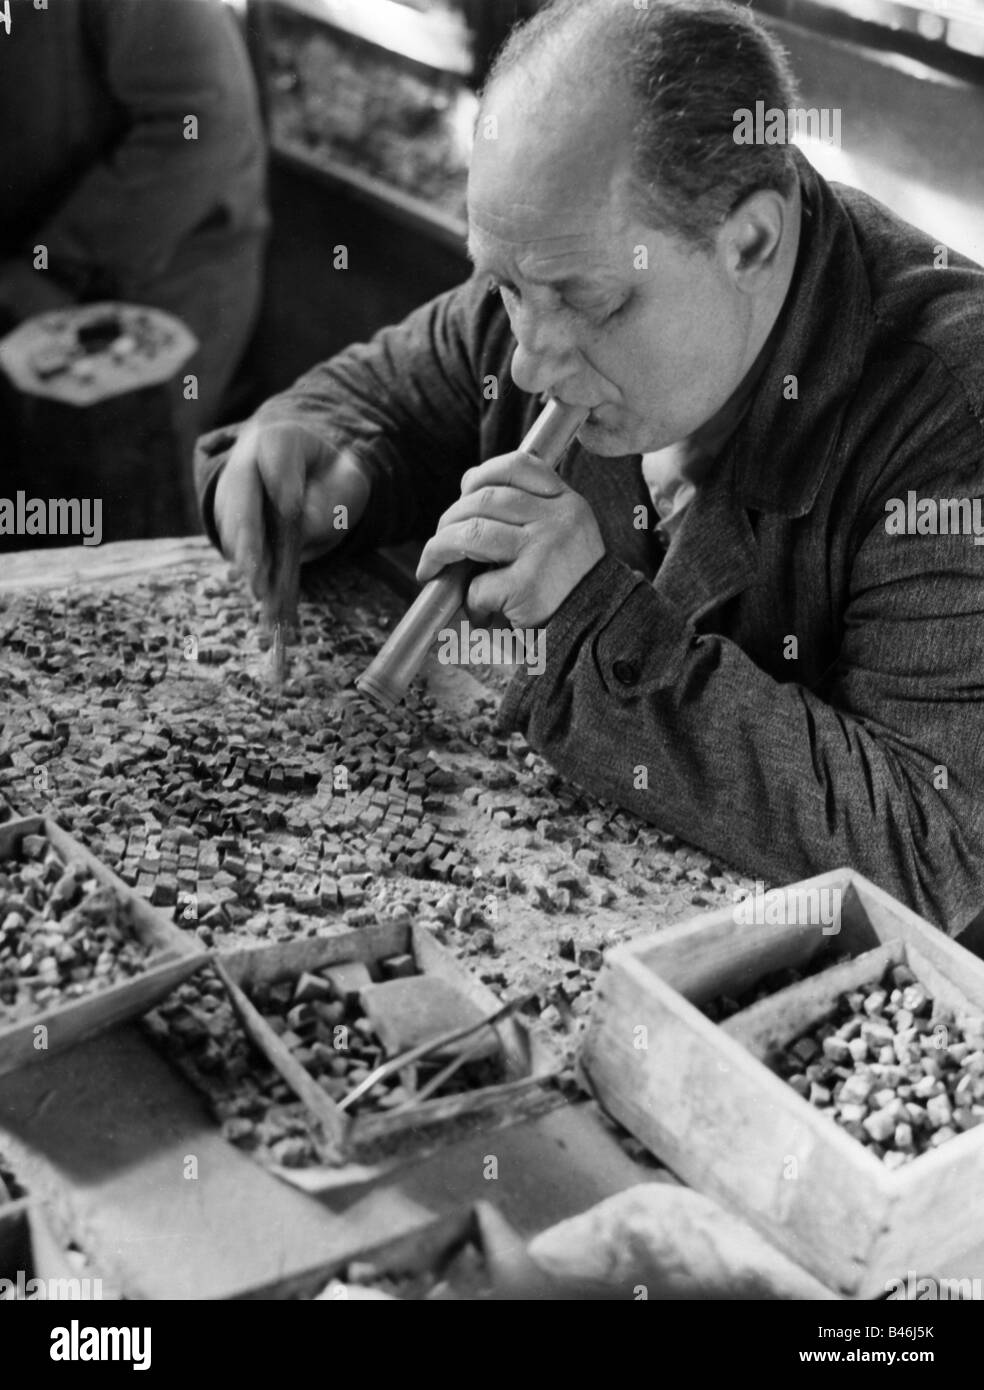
x: 131, y: 150
x: 739, y: 646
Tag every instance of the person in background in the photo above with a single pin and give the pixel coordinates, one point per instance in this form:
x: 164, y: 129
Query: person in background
x: 132, y: 149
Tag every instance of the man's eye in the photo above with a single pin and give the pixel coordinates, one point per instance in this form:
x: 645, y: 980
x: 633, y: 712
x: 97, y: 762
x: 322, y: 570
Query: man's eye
x: 601, y: 314
x: 609, y: 315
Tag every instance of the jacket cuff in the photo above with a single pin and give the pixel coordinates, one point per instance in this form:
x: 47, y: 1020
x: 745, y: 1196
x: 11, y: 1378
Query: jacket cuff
x: 211, y: 452
x: 613, y: 628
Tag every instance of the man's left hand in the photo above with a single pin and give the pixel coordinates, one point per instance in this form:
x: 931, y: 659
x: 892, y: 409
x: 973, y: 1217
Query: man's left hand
x: 515, y: 513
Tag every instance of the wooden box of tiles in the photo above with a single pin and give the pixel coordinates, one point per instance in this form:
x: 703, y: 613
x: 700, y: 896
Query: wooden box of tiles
x: 813, y: 1058
x: 380, y: 1032
x: 79, y: 951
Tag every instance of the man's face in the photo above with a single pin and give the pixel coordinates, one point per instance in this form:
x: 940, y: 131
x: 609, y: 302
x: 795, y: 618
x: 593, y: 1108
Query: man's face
x: 608, y: 313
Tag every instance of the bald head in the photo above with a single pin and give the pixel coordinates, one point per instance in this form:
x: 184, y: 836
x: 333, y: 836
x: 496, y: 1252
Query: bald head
x: 567, y: 38
x: 673, y: 73
x: 572, y: 156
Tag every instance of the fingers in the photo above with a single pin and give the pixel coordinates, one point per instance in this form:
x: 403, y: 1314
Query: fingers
x: 516, y: 470
x: 517, y: 515
x: 506, y: 504
x: 486, y: 523
x: 489, y: 592
x: 283, y: 455
x: 265, y: 474
x: 474, y: 538
x: 239, y: 515
x: 336, y: 498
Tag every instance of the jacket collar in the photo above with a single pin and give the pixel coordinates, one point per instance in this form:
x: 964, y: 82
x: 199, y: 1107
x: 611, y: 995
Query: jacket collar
x: 783, y: 448
x: 713, y: 555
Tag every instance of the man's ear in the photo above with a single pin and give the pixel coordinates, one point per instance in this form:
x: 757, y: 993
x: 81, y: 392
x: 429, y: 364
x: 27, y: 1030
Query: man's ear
x: 752, y: 237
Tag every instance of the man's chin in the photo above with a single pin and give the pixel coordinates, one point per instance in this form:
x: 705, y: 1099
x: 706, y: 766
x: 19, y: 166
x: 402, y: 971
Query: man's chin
x: 608, y: 441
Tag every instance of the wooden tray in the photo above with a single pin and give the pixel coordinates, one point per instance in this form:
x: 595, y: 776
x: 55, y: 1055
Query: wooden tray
x: 177, y: 956
x: 529, y: 1064
x: 701, y: 1099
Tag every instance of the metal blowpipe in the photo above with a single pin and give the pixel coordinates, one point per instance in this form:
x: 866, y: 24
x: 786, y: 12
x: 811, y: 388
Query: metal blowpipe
x: 388, y: 676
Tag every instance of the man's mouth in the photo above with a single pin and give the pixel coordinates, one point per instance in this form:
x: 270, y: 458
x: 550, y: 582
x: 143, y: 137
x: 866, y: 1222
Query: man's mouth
x: 595, y: 412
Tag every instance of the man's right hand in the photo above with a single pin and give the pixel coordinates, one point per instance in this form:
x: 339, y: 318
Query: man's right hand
x: 285, y: 469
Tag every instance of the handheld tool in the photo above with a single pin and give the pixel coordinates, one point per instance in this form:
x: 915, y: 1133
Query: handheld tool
x: 388, y: 676
x: 281, y: 606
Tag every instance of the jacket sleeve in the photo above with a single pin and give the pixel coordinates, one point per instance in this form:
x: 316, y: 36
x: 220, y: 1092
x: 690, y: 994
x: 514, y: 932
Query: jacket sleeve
x: 163, y: 62
x: 408, y: 406
x: 881, y: 771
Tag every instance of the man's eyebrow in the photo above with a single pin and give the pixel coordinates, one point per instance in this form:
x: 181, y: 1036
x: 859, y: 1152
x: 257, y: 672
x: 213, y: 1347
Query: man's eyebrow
x: 562, y: 284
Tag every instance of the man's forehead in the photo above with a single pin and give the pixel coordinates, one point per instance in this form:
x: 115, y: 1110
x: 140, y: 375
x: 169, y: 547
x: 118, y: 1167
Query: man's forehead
x: 551, y: 243
x: 560, y: 259
x: 552, y: 190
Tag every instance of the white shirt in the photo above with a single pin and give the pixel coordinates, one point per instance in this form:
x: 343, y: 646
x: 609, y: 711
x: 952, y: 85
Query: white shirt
x: 668, y: 486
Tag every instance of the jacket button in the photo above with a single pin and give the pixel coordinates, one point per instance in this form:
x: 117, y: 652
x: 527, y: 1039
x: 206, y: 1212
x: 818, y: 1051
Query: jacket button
x: 625, y: 672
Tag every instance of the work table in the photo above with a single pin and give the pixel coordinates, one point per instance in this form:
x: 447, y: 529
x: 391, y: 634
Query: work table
x: 137, y: 713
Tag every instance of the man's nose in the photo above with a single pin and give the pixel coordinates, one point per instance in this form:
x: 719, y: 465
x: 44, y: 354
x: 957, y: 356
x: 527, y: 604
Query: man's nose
x: 544, y: 357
